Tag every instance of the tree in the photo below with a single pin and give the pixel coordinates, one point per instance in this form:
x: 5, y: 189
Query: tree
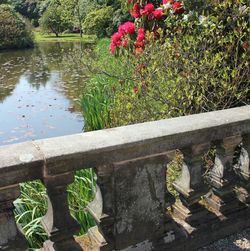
x: 98, y: 22
x: 14, y: 31
x: 53, y: 20
x: 81, y: 9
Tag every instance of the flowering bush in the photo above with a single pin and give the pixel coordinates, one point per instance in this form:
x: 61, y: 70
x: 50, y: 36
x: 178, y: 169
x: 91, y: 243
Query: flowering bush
x: 200, y: 63
x: 149, y: 19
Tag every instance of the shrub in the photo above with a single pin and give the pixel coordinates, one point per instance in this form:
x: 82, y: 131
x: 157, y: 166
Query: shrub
x: 29, y: 9
x: 98, y: 22
x: 200, y: 63
x: 53, y: 20
x: 14, y: 31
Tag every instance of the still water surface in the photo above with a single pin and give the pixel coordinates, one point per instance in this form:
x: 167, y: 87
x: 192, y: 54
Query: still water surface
x: 39, y: 89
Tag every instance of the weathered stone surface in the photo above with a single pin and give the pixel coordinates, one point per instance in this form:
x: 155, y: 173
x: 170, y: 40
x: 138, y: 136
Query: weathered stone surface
x: 92, y: 149
x: 192, y: 238
x: 242, y: 169
x: 20, y: 163
x: 11, y: 238
x: 131, y: 180
x: 58, y: 223
x: 140, y: 200
x: 191, y: 185
x: 222, y: 177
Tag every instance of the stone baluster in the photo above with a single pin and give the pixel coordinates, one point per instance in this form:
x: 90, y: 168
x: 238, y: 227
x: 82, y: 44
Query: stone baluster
x: 106, y: 205
x: 135, y: 199
x: 58, y: 223
x: 222, y: 176
x: 11, y: 238
x: 190, y: 185
x: 243, y: 170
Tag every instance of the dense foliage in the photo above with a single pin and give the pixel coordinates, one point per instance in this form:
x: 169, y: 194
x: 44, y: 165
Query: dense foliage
x: 190, y: 59
x: 74, y: 13
x: 14, y: 31
x: 53, y: 20
x: 105, y: 17
x: 97, y: 22
x: 31, y: 9
x: 199, y: 63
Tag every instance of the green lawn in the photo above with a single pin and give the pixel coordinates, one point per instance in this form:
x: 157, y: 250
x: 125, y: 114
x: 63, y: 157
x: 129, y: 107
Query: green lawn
x: 44, y: 37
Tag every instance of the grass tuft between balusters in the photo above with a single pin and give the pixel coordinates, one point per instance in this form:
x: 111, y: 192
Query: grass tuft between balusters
x: 31, y: 206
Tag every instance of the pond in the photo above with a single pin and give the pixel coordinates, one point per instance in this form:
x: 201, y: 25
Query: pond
x: 39, y: 89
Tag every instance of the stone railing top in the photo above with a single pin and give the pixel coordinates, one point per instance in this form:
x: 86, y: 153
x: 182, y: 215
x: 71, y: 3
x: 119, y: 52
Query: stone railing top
x: 37, y: 159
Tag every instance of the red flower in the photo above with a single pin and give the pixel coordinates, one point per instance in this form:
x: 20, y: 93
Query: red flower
x: 158, y: 14
x: 141, y: 35
x: 112, y: 48
x: 178, y: 7
x: 116, y: 38
x: 136, y: 11
x: 136, y: 90
x: 148, y: 9
x: 115, y: 41
x: 125, y: 42
x: 127, y: 28
x: 140, y: 45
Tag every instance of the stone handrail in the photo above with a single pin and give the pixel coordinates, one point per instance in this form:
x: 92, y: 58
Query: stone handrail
x: 131, y: 166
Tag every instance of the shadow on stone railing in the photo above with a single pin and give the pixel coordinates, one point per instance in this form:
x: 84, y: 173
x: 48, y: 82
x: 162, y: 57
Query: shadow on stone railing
x: 133, y: 209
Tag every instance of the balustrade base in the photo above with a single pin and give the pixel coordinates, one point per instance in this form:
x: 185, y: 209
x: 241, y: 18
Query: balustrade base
x: 223, y: 205
x: 68, y: 245
x: 19, y: 244
x: 194, y: 215
x: 243, y: 194
x: 190, y: 238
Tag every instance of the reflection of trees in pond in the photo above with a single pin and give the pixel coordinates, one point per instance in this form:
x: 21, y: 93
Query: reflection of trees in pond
x: 12, y: 66
x: 37, y: 65
x: 76, y: 71
x: 5, y: 92
x: 38, y: 73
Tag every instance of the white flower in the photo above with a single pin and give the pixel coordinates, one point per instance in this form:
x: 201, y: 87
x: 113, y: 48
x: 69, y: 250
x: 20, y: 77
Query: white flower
x: 185, y: 17
x: 167, y: 6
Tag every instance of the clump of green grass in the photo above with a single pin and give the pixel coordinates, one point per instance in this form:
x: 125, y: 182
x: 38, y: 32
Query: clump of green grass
x: 31, y: 206
x: 108, y: 72
x: 95, y: 106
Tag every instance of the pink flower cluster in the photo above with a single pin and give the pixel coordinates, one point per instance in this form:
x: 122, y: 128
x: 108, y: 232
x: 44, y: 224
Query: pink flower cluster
x: 152, y: 13
x: 147, y: 12
x: 119, y: 38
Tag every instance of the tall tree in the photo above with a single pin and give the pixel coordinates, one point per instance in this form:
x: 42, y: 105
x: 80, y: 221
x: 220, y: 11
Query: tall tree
x: 54, y: 19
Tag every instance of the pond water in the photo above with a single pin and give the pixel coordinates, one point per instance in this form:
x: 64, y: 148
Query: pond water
x: 39, y: 89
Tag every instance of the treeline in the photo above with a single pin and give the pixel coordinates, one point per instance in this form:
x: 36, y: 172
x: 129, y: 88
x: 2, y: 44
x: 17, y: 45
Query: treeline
x: 97, y: 17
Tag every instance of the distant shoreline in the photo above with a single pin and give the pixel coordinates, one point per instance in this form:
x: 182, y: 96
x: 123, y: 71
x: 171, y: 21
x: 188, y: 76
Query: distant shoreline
x: 70, y: 37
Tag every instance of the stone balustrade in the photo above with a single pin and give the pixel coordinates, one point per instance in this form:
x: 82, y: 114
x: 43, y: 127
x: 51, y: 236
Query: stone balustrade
x: 133, y: 208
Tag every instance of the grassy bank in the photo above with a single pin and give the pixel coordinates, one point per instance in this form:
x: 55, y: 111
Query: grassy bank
x: 71, y: 37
